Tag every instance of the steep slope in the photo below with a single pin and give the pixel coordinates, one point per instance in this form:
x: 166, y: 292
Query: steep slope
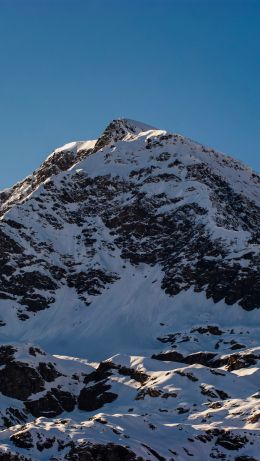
x: 60, y: 160
x: 141, y: 243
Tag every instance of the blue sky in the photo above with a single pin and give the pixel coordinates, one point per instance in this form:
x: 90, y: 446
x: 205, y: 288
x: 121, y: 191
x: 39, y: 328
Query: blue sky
x: 69, y: 67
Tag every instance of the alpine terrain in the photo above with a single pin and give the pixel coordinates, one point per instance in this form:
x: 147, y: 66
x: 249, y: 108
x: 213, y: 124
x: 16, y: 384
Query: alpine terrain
x: 129, y: 303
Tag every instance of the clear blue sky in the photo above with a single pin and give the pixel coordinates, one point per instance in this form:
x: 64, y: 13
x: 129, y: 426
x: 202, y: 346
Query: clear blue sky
x: 69, y: 67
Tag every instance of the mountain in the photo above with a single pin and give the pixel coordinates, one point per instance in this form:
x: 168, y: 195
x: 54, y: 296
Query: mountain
x: 129, y: 303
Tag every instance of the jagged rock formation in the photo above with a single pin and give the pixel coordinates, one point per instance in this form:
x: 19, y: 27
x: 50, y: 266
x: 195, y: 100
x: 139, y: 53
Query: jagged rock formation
x: 143, y: 246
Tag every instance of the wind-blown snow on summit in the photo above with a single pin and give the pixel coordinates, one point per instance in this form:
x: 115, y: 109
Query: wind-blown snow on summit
x: 142, y: 246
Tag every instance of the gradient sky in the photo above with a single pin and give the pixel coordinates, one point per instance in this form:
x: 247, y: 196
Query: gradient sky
x: 68, y: 67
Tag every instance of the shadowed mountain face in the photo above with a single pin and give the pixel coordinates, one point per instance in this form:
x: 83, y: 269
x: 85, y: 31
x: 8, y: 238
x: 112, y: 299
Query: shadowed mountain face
x: 144, y: 246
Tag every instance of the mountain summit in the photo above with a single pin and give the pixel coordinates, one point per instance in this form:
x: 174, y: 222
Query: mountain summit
x: 120, y: 129
x: 139, y: 250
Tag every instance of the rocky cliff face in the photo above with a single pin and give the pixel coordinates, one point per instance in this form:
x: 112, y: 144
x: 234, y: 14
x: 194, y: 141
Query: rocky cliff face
x: 144, y: 246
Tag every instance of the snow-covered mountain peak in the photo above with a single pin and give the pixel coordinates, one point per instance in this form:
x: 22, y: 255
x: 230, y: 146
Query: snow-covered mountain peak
x: 136, y: 126
x: 140, y: 250
x: 119, y: 129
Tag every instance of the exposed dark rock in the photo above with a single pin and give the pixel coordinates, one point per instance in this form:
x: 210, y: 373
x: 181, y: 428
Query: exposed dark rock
x: 230, y: 441
x: 48, y: 371
x: 19, y: 381
x: 202, y: 358
x: 35, y: 351
x: 189, y: 375
x: 237, y: 361
x: 52, y: 404
x: 8, y: 245
x: 208, y: 359
x: 91, y: 282
x: 8, y: 456
x: 102, y: 373
x: 22, y: 439
x: 139, y: 376
x: 45, y: 444
x: 12, y: 416
x: 151, y: 392
x: 212, y: 329
x: 6, y: 354
x: 95, y: 397
x: 109, y: 452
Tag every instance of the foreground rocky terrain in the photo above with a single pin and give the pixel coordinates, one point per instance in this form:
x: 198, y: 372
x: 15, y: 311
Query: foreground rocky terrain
x: 129, y: 303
